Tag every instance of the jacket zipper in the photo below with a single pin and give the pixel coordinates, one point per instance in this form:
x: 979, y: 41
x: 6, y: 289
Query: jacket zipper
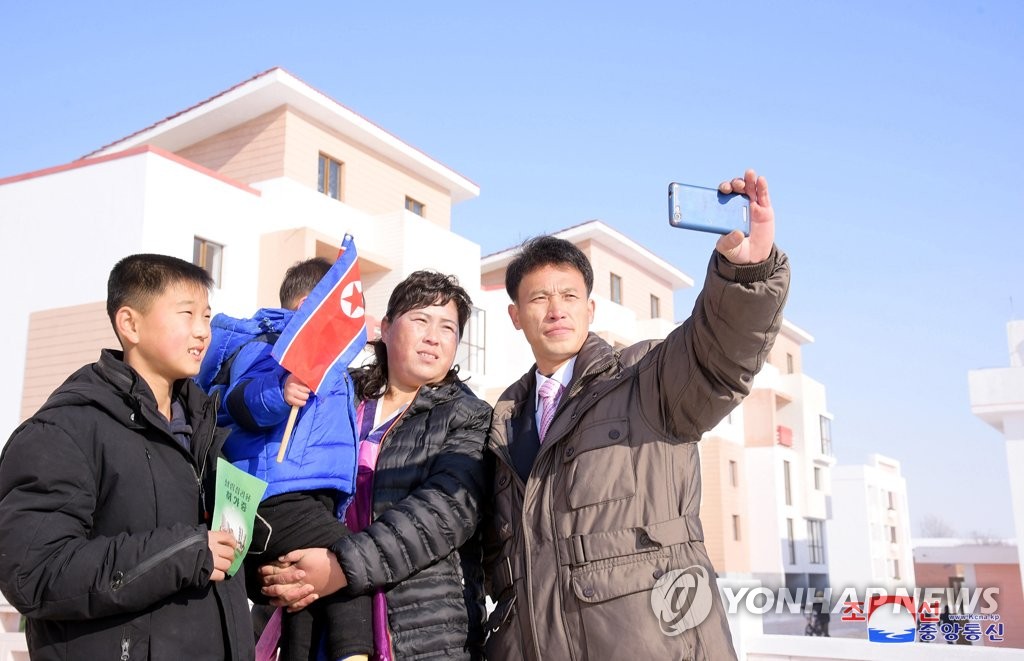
x: 125, y: 644
x: 205, y: 453
x: 387, y: 435
x: 152, y: 561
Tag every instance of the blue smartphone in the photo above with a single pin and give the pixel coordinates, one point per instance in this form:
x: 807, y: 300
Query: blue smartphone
x: 707, y: 210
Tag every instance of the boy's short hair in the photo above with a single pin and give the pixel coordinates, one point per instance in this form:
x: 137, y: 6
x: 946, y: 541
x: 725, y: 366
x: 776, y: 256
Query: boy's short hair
x: 542, y: 251
x: 300, y: 279
x: 138, y: 279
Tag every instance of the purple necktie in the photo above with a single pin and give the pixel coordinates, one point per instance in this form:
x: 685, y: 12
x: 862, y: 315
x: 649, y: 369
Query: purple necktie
x: 550, y: 393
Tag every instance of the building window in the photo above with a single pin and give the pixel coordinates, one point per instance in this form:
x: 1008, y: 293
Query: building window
x: 472, y: 352
x: 734, y: 478
x: 817, y: 478
x: 208, y: 255
x: 616, y: 286
x: 826, y: 435
x: 787, y: 481
x: 892, y: 534
x: 736, y: 527
x: 791, y: 539
x: 890, y: 497
x: 328, y: 179
x: 655, y: 307
x: 894, y: 568
x: 414, y: 206
x: 789, y: 363
x: 815, y: 541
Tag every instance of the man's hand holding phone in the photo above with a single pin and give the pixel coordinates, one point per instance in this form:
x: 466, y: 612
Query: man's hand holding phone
x: 736, y: 247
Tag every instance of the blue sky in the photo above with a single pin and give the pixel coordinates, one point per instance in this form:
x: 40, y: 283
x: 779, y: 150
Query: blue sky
x: 890, y: 133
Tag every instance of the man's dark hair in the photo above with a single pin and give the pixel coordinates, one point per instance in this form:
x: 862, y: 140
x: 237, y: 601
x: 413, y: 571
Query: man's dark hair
x: 542, y: 251
x: 421, y: 289
x: 138, y: 279
x: 300, y: 279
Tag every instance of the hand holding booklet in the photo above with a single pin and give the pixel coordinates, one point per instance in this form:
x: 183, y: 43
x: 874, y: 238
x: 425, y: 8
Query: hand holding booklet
x: 235, y: 502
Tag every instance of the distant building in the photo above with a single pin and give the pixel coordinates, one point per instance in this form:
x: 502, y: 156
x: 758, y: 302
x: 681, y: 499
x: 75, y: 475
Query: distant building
x: 785, y: 468
x: 871, y: 543
x: 997, y: 397
x: 975, y: 565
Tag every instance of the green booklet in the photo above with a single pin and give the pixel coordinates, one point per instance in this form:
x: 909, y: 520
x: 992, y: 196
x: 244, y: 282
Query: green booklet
x: 238, y: 495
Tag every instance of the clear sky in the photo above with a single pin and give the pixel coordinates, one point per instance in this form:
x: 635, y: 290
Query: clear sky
x: 890, y: 132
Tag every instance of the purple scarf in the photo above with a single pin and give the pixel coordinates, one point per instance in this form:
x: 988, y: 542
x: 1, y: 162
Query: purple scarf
x: 359, y: 514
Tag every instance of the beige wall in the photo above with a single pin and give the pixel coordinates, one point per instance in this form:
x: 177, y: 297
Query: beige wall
x: 60, y: 341
x: 638, y: 284
x: 721, y: 500
x: 1006, y: 577
x: 759, y: 419
x: 777, y: 356
x: 370, y: 182
x: 286, y: 143
x: 495, y: 278
x: 253, y: 151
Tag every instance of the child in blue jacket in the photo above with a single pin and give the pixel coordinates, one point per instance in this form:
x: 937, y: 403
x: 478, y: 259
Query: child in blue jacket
x: 310, y: 488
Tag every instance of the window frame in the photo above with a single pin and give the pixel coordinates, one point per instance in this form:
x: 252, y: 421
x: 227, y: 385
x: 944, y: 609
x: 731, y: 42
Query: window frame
x: 825, y: 430
x: 324, y: 180
x: 791, y: 539
x: 787, y: 480
x: 816, y: 541
x: 615, y: 288
x: 211, y: 262
x: 412, y: 204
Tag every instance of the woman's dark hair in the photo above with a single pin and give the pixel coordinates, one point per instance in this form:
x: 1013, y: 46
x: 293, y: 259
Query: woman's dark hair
x: 421, y: 289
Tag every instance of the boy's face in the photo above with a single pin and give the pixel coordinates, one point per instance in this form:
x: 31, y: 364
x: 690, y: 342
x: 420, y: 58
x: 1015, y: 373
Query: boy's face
x: 167, y: 341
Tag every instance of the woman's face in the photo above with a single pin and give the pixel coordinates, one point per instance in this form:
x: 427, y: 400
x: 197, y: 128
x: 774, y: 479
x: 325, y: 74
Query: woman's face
x: 421, y: 345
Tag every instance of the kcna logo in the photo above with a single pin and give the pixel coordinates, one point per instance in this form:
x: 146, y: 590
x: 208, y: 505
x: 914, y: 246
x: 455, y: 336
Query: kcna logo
x: 682, y: 599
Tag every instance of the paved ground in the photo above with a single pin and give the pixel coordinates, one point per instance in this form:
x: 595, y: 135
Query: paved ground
x: 793, y: 625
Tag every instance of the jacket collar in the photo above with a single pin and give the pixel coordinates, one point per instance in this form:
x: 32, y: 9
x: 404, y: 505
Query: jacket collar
x: 594, y: 357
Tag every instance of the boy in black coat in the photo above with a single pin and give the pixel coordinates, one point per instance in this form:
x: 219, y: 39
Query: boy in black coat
x: 105, y: 493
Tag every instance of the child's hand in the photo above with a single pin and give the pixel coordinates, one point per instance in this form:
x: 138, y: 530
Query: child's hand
x: 296, y: 393
x: 222, y: 547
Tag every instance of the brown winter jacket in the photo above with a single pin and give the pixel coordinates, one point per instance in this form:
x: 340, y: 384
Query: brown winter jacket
x: 611, y: 504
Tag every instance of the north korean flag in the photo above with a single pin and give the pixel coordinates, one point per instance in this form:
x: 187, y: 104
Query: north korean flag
x: 329, y: 328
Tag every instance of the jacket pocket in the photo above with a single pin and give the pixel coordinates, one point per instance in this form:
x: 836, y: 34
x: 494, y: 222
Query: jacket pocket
x: 616, y: 597
x: 602, y: 467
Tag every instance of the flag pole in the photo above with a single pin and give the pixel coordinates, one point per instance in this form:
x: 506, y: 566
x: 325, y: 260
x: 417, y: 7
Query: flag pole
x: 287, y: 433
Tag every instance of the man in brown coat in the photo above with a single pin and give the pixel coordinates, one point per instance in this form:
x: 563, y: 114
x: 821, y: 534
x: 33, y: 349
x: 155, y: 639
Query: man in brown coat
x: 594, y: 545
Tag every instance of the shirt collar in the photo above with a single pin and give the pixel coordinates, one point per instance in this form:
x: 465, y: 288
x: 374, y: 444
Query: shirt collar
x: 563, y: 375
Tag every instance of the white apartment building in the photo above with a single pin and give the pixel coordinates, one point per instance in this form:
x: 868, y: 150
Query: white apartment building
x: 997, y: 397
x: 633, y: 298
x: 871, y: 497
x: 786, y: 464
x: 246, y: 183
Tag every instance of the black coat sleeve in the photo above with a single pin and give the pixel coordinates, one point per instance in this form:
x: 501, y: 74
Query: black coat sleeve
x: 52, y: 565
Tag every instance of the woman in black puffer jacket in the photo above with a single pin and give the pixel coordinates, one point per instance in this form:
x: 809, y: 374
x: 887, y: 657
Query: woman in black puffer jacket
x: 422, y: 436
